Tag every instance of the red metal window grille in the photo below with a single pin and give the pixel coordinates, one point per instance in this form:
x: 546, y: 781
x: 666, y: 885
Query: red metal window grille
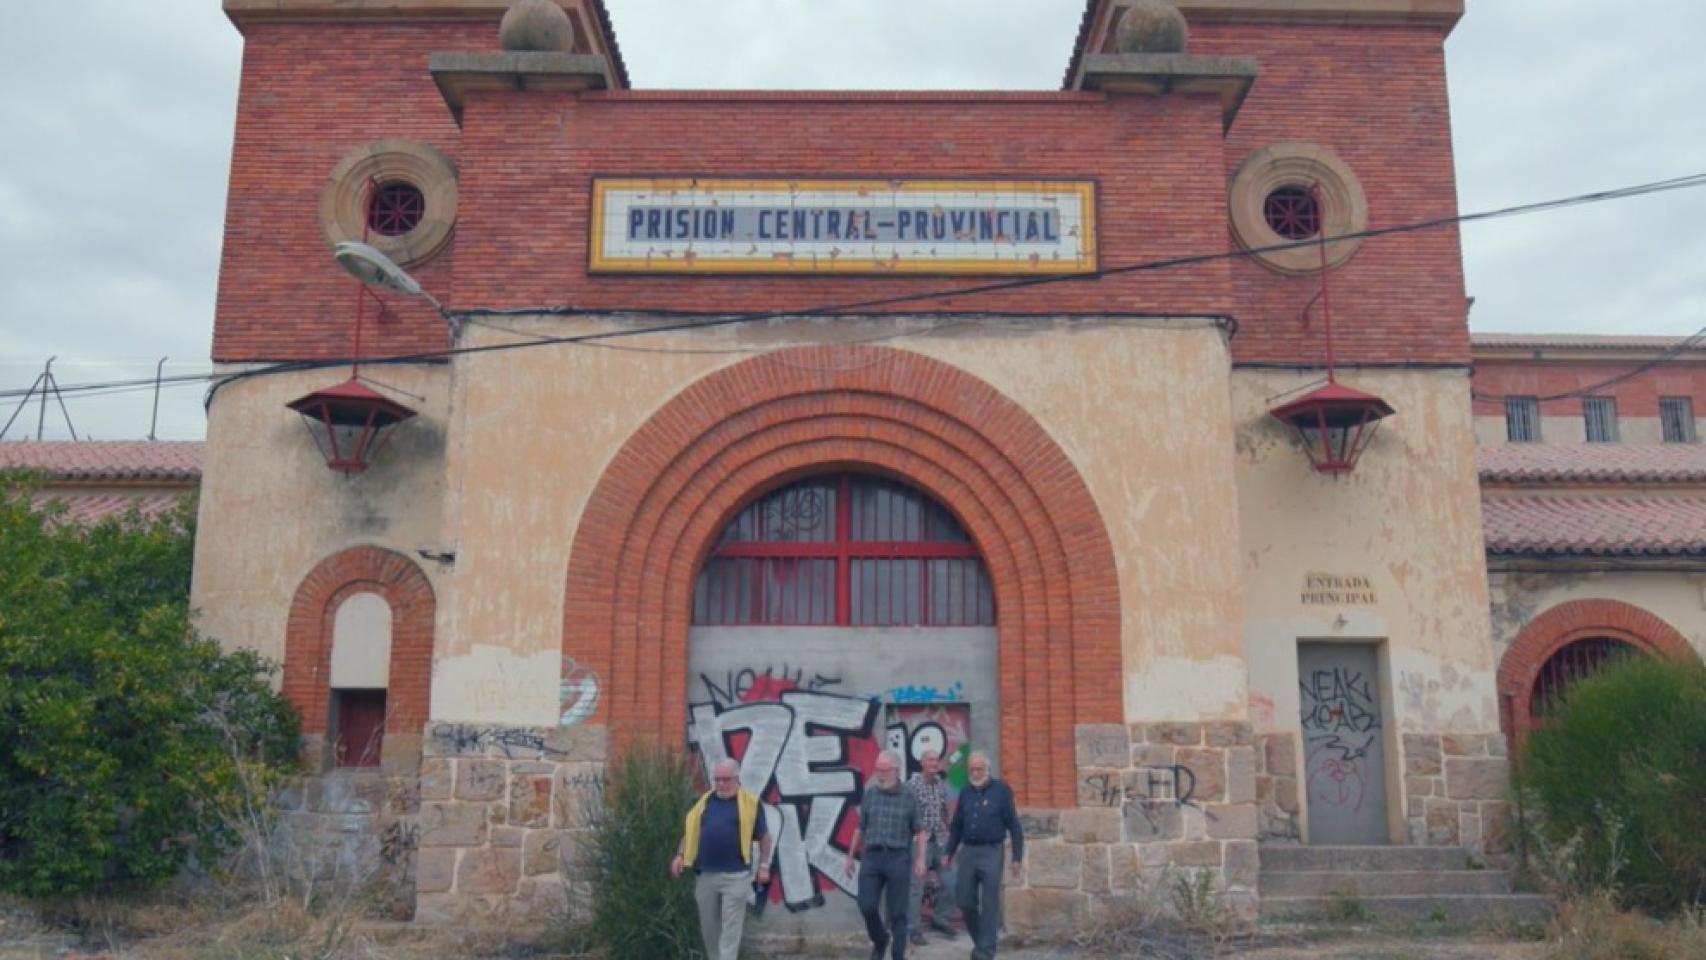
x: 845, y: 550
x: 1563, y: 669
x: 1293, y: 213
x: 395, y: 208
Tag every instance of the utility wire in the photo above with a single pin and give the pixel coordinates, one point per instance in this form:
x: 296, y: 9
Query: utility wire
x: 834, y: 309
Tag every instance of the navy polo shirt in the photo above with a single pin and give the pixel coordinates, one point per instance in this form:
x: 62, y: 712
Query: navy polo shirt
x: 719, y: 836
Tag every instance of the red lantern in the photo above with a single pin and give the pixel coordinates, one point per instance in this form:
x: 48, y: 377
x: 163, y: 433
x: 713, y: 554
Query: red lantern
x: 1334, y: 424
x: 350, y: 423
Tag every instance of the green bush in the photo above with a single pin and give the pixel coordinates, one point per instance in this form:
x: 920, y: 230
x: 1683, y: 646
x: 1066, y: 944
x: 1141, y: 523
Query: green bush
x: 1619, y: 777
x: 124, y: 731
x: 636, y: 910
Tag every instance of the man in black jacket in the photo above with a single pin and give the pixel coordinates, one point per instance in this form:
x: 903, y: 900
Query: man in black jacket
x: 985, y: 817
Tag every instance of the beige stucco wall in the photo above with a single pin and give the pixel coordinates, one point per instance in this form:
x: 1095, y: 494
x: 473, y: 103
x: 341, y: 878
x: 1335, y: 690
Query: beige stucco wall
x: 1408, y: 519
x: 1675, y: 596
x: 1140, y: 407
x: 271, y: 510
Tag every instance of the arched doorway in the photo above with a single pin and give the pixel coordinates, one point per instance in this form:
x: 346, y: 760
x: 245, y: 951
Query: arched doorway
x: 838, y: 615
x: 1568, y: 642
x: 664, y: 500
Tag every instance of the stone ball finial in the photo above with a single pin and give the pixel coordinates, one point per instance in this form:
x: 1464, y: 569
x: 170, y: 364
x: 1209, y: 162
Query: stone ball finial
x: 1151, y: 26
x: 537, y: 25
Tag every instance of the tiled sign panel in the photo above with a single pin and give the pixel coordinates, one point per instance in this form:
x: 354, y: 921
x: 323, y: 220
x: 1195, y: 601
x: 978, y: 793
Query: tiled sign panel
x: 843, y: 226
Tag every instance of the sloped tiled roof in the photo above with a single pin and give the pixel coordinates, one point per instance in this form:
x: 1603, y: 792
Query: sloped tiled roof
x: 1580, y: 341
x: 1593, y: 463
x: 107, y: 460
x: 1595, y: 525
x: 93, y: 507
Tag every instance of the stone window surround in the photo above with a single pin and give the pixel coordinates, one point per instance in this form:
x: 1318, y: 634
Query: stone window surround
x: 343, y: 213
x: 1305, y: 165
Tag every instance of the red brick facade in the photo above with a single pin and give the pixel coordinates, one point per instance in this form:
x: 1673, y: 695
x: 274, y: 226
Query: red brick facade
x: 657, y: 509
x: 1636, y: 397
x: 308, y: 635
x: 1377, y: 97
x: 314, y: 90
x: 1562, y: 625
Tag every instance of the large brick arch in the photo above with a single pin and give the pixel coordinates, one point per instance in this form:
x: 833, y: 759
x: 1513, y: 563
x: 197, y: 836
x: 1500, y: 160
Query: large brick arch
x: 308, y: 635
x: 665, y: 497
x: 1563, y: 625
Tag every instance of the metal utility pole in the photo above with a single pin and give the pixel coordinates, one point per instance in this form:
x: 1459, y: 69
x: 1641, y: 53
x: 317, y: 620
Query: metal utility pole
x: 154, y: 421
x: 45, y: 383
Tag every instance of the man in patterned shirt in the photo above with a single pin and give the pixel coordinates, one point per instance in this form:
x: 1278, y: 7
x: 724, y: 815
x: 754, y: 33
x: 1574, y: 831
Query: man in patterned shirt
x: 930, y: 787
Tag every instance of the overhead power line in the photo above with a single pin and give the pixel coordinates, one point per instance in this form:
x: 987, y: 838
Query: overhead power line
x: 847, y: 307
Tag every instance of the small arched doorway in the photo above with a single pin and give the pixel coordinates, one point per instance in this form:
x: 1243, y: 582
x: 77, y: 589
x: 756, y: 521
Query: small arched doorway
x: 1566, y: 643
x: 835, y: 616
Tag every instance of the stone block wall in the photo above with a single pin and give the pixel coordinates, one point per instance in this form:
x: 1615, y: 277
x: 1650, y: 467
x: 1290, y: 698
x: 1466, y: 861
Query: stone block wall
x: 1456, y: 792
x: 1277, y: 786
x: 502, y: 811
x: 350, y: 831
x: 1153, y: 799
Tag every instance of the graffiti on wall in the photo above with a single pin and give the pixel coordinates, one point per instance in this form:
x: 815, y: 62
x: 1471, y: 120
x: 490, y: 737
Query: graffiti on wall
x: 578, y: 698
x: 914, y: 729
x: 1341, y: 727
x: 748, y: 684
x: 806, y: 754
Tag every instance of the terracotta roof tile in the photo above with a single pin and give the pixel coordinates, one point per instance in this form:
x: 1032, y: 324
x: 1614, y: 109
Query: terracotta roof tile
x: 1595, y: 525
x: 107, y: 459
x: 1581, y: 341
x: 93, y: 507
x: 1593, y: 463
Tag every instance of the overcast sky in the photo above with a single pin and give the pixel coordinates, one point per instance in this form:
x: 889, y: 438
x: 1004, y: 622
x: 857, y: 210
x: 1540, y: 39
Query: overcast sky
x: 115, y: 141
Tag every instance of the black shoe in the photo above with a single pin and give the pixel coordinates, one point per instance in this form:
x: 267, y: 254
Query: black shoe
x: 878, y: 949
x: 944, y: 928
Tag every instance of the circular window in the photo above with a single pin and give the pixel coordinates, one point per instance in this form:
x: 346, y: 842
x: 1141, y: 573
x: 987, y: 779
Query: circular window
x: 1294, y: 191
x: 398, y: 195
x: 1293, y: 213
x: 395, y: 208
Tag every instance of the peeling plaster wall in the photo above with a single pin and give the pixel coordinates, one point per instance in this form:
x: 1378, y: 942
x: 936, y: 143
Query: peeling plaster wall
x: 1677, y: 597
x: 1408, y: 520
x: 271, y: 510
x: 1140, y: 406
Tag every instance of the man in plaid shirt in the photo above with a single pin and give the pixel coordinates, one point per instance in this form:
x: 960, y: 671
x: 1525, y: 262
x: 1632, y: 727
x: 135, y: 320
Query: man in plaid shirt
x: 930, y: 787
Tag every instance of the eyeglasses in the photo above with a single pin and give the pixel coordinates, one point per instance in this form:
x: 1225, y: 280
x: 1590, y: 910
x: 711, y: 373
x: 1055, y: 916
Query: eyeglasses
x: 725, y: 779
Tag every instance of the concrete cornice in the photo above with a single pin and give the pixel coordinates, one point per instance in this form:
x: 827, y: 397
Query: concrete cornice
x: 244, y: 11
x: 1100, y: 15
x: 1442, y: 13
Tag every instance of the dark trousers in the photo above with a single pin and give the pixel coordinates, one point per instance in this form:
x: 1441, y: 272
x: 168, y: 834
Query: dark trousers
x: 979, y: 893
x: 886, y: 875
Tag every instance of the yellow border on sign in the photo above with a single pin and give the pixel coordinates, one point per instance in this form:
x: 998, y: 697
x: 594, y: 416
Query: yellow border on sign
x: 1085, y: 262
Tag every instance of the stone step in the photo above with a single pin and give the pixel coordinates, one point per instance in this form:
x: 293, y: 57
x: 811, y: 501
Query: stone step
x: 1362, y: 859
x: 1383, y: 883
x: 1513, y: 907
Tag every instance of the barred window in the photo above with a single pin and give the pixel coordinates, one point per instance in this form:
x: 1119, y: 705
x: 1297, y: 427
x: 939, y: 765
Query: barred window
x: 1522, y: 419
x: 846, y: 550
x: 1676, y: 418
x: 1600, y: 414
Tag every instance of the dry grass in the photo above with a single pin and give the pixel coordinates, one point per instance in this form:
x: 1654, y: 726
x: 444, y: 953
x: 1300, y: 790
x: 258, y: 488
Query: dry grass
x: 224, y: 924
x: 1591, y: 927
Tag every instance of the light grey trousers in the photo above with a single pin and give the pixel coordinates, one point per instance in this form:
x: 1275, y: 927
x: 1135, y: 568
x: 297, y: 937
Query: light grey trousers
x: 722, y: 912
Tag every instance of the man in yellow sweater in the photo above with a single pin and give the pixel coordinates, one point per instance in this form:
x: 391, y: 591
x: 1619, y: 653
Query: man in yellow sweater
x: 717, y: 843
